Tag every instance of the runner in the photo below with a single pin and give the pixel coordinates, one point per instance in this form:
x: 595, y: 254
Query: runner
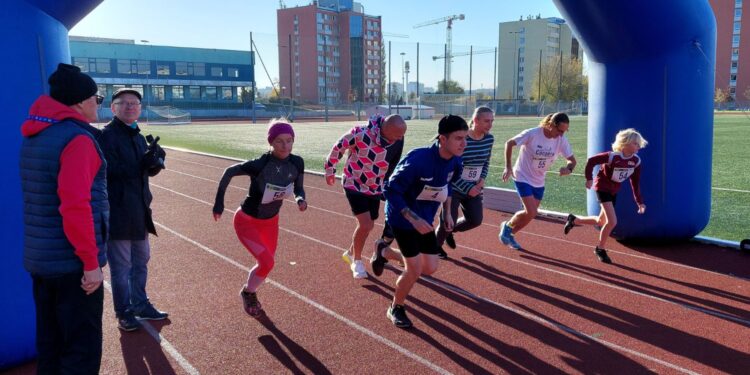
x: 274, y: 176
x: 615, y: 168
x: 374, y: 150
x: 467, y: 191
x: 421, y: 182
x: 539, y: 148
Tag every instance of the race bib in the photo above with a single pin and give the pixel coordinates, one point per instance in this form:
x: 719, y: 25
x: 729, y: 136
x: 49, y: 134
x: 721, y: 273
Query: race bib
x: 276, y: 193
x: 471, y: 173
x: 541, y: 163
x: 433, y: 193
x: 621, y: 174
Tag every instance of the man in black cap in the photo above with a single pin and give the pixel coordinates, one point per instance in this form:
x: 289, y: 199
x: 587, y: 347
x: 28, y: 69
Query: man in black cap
x: 66, y: 213
x: 130, y: 163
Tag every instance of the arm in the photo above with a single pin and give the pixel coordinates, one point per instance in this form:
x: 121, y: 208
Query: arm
x: 568, y: 168
x: 346, y: 142
x: 635, y: 184
x: 299, y: 190
x: 226, y: 178
x: 592, y: 162
x: 508, y: 172
x: 79, y: 163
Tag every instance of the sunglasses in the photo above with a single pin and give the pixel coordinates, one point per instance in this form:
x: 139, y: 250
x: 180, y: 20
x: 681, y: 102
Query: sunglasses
x: 99, y: 99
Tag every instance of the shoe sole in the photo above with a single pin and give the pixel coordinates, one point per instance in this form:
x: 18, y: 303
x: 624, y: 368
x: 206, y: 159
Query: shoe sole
x: 152, y: 319
x: 127, y: 329
x: 360, y: 276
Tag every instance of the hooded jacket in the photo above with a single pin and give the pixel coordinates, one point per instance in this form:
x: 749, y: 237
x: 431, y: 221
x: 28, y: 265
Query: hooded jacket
x: 63, y: 178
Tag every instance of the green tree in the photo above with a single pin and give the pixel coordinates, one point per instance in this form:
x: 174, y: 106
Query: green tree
x: 550, y: 87
x: 451, y: 87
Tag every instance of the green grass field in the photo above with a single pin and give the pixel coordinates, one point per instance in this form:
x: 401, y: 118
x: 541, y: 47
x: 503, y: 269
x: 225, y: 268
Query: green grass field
x: 730, y: 208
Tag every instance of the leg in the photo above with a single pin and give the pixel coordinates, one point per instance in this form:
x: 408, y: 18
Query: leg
x: 610, y: 221
x: 522, y: 218
x: 140, y: 254
x: 364, y: 227
x: 80, y: 318
x: 473, y: 214
x: 441, y: 233
x: 119, y: 258
x: 406, y: 281
x: 49, y: 339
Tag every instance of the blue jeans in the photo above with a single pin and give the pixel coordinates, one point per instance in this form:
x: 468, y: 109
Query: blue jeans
x: 128, y: 262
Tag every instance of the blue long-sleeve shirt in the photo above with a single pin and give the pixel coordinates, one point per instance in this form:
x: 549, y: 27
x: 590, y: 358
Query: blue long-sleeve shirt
x: 419, y: 181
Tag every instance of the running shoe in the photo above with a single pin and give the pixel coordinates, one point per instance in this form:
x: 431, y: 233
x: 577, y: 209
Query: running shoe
x: 358, y: 270
x: 250, y: 303
x: 127, y: 322
x: 378, y: 261
x: 397, y: 315
x: 441, y: 253
x: 569, y: 223
x: 602, y: 255
x: 513, y: 243
x: 506, y: 236
x: 347, y: 258
x: 149, y: 312
x: 450, y: 241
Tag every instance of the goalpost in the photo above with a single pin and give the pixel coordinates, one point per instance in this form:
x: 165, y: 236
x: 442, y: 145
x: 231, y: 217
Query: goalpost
x: 168, y: 115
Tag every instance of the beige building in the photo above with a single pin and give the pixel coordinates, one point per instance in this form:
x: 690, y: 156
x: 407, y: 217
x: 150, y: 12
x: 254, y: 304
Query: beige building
x: 523, y: 44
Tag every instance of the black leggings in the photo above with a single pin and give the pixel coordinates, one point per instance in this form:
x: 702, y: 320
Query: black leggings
x: 473, y: 215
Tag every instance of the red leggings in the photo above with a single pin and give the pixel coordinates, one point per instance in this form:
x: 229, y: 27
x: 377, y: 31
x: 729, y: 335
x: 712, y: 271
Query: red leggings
x: 259, y: 236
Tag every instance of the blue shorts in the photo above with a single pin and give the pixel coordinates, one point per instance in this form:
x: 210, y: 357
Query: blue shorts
x: 524, y: 190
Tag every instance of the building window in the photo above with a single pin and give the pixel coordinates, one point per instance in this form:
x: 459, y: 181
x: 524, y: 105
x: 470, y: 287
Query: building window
x: 162, y: 69
x: 124, y: 67
x: 157, y: 92
x: 737, y: 27
x: 195, y: 92
x: 138, y: 88
x: 181, y: 68
x: 144, y: 67
x: 208, y: 92
x: 226, y: 93
x: 738, y: 13
x: 177, y: 92
x: 81, y: 62
x: 101, y: 90
x: 199, y: 69
x: 234, y: 72
x: 216, y: 71
x: 102, y: 66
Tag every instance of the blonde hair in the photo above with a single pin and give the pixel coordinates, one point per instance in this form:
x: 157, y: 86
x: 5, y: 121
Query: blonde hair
x: 554, y: 120
x: 627, y: 136
x: 478, y: 111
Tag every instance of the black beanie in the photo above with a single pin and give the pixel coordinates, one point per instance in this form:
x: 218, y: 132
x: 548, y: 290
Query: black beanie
x: 69, y: 86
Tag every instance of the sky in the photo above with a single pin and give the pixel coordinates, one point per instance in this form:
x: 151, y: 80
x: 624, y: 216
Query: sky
x: 226, y: 24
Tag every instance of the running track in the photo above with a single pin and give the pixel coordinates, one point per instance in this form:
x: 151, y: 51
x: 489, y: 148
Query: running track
x: 553, y: 308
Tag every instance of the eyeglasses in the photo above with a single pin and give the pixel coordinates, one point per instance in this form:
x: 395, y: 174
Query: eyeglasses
x: 128, y: 104
x: 99, y: 99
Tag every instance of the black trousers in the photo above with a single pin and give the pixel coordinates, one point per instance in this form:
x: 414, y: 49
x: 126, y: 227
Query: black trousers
x: 473, y: 215
x: 68, y: 325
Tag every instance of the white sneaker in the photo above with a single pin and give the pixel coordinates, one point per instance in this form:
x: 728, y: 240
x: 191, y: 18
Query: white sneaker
x: 347, y: 258
x: 358, y: 270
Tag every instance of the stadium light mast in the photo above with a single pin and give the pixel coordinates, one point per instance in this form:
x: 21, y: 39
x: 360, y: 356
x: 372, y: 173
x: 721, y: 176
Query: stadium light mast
x: 448, y: 38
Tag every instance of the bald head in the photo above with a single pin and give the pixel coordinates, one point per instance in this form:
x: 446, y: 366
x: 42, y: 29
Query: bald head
x: 393, y: 128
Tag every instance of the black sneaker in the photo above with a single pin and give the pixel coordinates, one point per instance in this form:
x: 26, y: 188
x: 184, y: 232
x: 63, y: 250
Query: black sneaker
x: 397, y: 315
x: 378, y: 261
x: 127, y: 322
x: 450, y: 241
x: 602, y: 255
x: 442, y: 254
x: 569, y: 223
x: 250, y: 303
x: 151, y: 313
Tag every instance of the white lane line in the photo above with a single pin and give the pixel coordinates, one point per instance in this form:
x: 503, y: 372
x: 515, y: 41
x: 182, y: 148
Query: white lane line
x: 445, y: 286
x: 164, y: 343
x: 497, y: 227
x: 312, y: 303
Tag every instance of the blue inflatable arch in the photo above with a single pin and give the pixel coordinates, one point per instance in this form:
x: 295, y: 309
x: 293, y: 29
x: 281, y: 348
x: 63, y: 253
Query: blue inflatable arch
x: 651, y: 67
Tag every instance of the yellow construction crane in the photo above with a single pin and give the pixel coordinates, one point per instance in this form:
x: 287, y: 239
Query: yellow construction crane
x: 448, y: 37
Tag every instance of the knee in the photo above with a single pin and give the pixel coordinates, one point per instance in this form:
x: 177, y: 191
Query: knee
x: 366, y: 225
x: 531, y: 212
x: 474, y: 221
x: 612, y: 221
x: 429, y: 269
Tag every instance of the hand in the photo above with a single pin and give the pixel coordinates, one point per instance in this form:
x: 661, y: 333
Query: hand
x: 641, y: 208
x: 423, y: 227
x: 330, y: 180
x: 507, y: 174
x: 589, y: 184
x: 92, y: 280
x: 474, y: 191
x: 480, y: 184
x: 564, y: 171
x: 448, y: 223
x: 217, y: 216
x: 302, y: 205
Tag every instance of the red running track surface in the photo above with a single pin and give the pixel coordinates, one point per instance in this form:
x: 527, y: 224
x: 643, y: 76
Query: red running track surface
x: 551, y: 308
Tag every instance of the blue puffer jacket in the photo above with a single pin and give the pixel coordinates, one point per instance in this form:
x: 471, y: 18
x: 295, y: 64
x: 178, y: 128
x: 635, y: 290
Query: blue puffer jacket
x: 47, y: 250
